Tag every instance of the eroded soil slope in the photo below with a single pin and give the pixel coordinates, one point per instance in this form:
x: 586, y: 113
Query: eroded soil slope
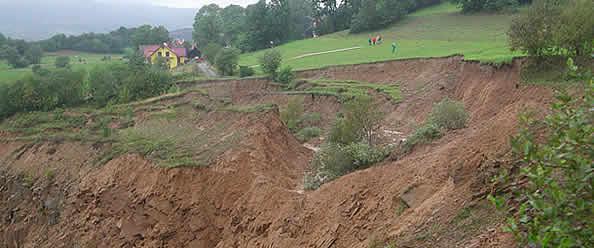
x: 251, y: 193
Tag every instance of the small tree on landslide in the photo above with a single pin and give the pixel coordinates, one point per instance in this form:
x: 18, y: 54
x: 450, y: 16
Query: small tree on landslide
x: 62, y: 61
x: 227, y: 60
x: 270, y: 62
x: 360, y: 123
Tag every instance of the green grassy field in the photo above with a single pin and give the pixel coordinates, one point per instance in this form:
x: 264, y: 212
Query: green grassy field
x: 8, y: 74
x: 432, y: 32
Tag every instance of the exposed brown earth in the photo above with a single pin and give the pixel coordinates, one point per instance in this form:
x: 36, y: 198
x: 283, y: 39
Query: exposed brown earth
x: 252, y: 194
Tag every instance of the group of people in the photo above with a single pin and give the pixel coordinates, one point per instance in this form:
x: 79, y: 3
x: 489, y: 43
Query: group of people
x: 379, y: 40
x: 375, y: 40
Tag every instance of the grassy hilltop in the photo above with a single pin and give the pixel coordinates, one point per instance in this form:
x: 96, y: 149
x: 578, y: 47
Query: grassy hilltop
x: 436, y: 31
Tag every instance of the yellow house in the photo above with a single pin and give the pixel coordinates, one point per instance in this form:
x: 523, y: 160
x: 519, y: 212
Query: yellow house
x: 175, y: 56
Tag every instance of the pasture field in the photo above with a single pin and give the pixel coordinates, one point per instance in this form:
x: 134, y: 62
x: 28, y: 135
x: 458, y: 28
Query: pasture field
x: 432, y: 32
x: 78, y: 60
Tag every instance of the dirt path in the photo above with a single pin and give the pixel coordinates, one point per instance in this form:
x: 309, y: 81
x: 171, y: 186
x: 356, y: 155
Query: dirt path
x: 319, y: 53
x: 325, y: 52
x: 207, y: 70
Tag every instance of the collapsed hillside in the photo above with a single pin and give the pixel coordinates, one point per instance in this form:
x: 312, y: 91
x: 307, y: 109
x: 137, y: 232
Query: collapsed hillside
x: 54, y: 193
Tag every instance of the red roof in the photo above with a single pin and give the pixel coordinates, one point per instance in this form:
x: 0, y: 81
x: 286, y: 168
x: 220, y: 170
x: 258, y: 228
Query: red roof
x: 148, y: 50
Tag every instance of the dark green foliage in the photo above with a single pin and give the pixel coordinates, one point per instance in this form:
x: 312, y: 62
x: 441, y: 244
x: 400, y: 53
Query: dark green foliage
x: 291, y: 115
x: 487, y: 5
x: 364, y: 15
x: 350, y: 145
x: 143, y: 84
x: 308, y: 133
x: 45, y: 90
x: 62, y: 61
x: 555, y: 27
x: 258, y: 26
x: 19, y: 53
x: 105, y: 81
x: 557, y: 210
x: 208, y: 25
x: 334, y: 160
x: 113, y: 42
x: 360, y: 122
x: 210, y: 52
x: 375, y: 14
x: 270, y: 62
x: 227, y: 60
x: 285, y: 75
x: 445, y: 115
x: 246, y: 71
x: 35, y: 92
x: 423, y: 134
x: 448, y: 115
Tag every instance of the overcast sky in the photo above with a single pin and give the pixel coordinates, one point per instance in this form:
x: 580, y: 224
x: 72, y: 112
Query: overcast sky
x: 183, y: 3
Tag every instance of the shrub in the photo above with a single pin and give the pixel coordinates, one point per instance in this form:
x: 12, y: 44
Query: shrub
x: 448, y: 114
x: 286, y: 75
x: 361, y: 121
x: 557, y: 208
x: 227, y: 60
x: 342, y: 132
x: 62, y: 61
x: 104, y: 82
x: 421, y: 135
x: 308, y: 133
x: 270, y: 62
x: 310, y: 119
x: 246, y: 71
x: 292, y: 113
x: 334, y: 160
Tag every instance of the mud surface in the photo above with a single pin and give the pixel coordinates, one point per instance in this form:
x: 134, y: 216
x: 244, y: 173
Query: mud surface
x: 52, y: 195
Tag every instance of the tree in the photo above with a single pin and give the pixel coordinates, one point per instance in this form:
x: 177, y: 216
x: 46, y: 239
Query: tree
x: 557, y: 210
x: 554, y: 27
x: 575, y: 32
x: 360, y: 122
x: 233, y: 24
x: 366, y: 18
x: 2, y: 39
x: 208, y: 25
x: 485, y: 5
x: 11, y: 55
x: 33, y: 54
x: 62, y: 62
x: 270, y: 62
x: 227, y: 60
x: 300, y: 14
x: 148, y: 35
x: 210, y: 52
x: 258, y: 34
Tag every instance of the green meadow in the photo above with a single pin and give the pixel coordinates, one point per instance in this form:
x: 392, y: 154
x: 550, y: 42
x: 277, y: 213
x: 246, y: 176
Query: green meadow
x: 87, y: 61
x: 432, y: 32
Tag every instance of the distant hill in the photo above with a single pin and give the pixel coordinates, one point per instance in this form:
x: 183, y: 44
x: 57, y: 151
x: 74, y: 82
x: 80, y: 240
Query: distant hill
x: 35, y: 20
x: 184, y: 33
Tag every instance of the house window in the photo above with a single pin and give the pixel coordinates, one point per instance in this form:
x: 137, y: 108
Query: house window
x: 167, y: 54
x: 160, y: 54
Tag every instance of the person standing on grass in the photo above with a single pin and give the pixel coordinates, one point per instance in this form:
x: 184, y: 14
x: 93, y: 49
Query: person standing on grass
x: 374, y: 39
x: 370, y: 41
x: 394, y: 47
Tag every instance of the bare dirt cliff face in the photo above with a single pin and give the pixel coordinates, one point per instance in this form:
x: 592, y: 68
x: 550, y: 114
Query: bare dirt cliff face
x: 252, y: 196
